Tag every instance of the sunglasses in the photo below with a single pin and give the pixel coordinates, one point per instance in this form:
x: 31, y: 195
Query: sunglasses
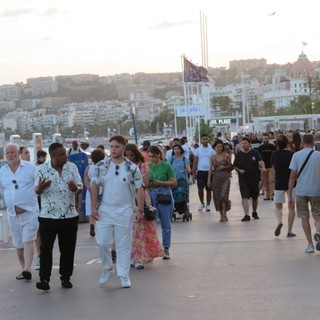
x: 15, y: 184
x: 117, y: 170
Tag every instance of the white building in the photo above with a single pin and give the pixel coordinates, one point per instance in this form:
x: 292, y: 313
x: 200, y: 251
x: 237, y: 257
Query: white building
x: 10, y: 92
x: 42, y: 85
x: 286, y: 88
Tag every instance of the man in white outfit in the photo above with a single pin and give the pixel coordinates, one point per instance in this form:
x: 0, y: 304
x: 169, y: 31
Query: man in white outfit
x: 115, y: 186
x: 17, y: 181
x: 200, y: 171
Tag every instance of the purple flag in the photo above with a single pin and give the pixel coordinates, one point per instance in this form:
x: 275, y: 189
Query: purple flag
x: 193, y: 73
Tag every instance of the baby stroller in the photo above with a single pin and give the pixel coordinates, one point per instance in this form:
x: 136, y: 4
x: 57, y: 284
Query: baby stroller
x: 181, y: 201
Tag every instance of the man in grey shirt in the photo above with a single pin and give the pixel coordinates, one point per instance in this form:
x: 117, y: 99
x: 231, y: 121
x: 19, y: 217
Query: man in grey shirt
x: 307, y: 189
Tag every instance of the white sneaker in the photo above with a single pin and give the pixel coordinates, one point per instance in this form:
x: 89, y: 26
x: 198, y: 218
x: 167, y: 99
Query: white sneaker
x: 105, y: 277
x: 138, y: 265
x: 125, y: 282
x: 37, y: 265
x: 166, y: 255
x: 309, y: 248
x: 208, y: 209
x: 201, y: 207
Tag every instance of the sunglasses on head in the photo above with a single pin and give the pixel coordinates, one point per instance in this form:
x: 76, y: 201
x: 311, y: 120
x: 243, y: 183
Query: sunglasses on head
x: 117, y: 170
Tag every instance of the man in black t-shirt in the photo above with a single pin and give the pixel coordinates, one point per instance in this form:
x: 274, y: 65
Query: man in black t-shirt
x: 280, y: 160
x: 265, y: 150
x: 248, y: 164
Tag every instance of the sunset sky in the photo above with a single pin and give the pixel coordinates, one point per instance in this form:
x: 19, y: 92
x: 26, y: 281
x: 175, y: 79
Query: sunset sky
x: 49, y: 38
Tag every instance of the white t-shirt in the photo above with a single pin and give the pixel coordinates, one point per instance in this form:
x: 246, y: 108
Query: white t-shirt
x: 204, y: 154
x: 186, y: 150
x: 19, y: 189
x: 118, y: 203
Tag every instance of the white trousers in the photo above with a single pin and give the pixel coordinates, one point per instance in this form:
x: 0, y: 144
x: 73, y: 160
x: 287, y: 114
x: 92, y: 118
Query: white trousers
x: 106, y: 235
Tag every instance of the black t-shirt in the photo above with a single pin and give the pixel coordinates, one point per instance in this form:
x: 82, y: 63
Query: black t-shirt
x: 266, y: 150
x: 248, y: 161
x: 281, y: 159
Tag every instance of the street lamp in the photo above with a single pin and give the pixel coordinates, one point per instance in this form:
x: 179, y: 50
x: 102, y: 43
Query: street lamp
x: 312, y: 107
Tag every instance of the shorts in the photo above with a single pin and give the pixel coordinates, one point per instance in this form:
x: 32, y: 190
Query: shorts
x: 23, y: 229
x: 202, y: 179
x: 249, y: 188
x: 303, y: 206
x: 279, y: 195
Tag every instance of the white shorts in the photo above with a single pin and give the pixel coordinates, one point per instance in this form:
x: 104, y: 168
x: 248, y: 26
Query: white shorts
x: 23, y: 228
x: 279, y: 195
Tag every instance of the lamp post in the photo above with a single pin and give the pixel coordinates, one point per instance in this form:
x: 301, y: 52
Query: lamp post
x: 134, y: 123
x: 312, y: 107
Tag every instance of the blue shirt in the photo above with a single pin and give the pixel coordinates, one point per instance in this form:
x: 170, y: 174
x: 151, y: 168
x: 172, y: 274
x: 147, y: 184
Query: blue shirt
x: 308, y: 183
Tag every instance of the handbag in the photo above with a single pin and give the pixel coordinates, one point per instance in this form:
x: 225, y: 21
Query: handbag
x: 302, y: 167
x: 150, y: 212
x: 164, y: 198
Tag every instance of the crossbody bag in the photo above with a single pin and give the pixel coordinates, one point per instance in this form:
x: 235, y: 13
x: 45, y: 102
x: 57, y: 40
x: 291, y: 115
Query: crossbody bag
x: 302, y: 167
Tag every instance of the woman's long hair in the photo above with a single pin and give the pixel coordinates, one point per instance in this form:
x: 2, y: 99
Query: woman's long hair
x: 135, y: 150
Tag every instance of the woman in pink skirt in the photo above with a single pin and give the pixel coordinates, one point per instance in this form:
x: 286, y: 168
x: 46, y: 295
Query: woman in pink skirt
x: 145, y: 242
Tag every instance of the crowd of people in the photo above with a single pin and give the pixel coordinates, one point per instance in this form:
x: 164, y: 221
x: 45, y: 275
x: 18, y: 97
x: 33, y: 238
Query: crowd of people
x: 44, y: 199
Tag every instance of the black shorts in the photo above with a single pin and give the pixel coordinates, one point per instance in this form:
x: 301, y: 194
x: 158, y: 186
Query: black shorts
x: 249, y: 188
x: 202, y: 179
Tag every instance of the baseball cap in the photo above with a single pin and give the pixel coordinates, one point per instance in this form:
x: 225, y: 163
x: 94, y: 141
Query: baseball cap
x: 74, y: 142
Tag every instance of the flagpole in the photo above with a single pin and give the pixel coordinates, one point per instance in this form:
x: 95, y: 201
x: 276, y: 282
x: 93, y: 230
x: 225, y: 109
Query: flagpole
x: 184, y: 92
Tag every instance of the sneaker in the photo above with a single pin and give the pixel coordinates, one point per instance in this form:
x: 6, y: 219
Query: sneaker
x: 291, y: 235
x: 317, y: 238
x: 166, y: 255
x: 255, y: 215
x: 208, y: 208
x: 309, y: 248
x: 138, y: 265
x: 201, y: 207
x: 246, y: 218
x: 278, y: 229
x: 105, y: 277
x: 43, y: 285
x: 66, y: 284
x: 37, y: 265
x: 92, y: 232
x: 125, y: 282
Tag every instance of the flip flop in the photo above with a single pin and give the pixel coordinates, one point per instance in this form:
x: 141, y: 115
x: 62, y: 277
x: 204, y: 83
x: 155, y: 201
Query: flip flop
x: 26, y: 275
x: 20, y: 277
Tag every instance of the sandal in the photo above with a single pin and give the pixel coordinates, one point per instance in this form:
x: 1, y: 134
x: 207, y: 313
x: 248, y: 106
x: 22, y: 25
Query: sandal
x: 20, y: 277
x: 26, y: 275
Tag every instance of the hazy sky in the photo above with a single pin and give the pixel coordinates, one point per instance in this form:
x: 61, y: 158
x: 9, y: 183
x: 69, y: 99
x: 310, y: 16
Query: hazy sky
x: 105, y: 37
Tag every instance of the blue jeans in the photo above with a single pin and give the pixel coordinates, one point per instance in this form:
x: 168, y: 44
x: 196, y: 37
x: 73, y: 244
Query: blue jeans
x: 165, y: 216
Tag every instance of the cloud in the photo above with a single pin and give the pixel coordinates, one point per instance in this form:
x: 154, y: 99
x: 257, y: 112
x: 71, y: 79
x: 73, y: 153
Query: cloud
x: 15, y: 13
x: 172, y: 24
x: 44, y: 39
x: 51, y: 13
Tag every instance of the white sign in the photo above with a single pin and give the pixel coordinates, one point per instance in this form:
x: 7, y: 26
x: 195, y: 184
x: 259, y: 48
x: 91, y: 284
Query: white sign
x: 194, y: 110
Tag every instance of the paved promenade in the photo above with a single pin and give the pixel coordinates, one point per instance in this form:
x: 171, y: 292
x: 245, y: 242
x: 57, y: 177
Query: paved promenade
x: 234, y: 270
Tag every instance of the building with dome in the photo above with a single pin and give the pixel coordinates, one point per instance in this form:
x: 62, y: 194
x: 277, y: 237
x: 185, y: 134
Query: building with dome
x: 286, y: 88
x: 303, y: 67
